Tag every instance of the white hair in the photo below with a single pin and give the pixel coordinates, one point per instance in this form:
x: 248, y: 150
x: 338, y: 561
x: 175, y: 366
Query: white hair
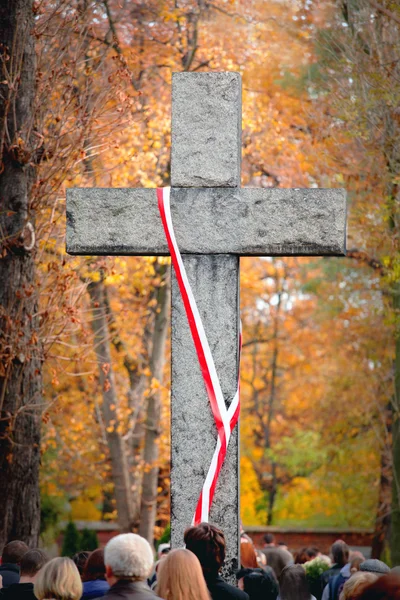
x: 129, y: 555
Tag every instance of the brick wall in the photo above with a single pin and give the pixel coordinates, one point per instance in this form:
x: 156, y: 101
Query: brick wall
x: 322, y: 538
x: 295, y: 538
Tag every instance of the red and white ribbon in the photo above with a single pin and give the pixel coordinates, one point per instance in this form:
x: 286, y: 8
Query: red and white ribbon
x: 225, y: 419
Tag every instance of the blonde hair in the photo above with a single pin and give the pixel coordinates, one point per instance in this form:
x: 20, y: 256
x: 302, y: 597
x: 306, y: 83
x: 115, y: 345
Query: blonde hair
x: 351, y: 588
x: 180, y: 577
x: 59, y: 579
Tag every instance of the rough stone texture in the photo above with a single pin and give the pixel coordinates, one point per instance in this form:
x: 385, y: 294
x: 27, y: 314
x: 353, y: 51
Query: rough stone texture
x: 206, y: 129
x: 214, y: 280
x: 260, y: 222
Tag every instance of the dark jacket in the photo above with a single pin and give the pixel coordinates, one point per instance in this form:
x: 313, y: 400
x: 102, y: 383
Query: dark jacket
x: 130, y: 590
x: 94, y: 589
x: 18, y: 591
x: 327, y: 575
x: 9, y: 573
x: 220, y: 590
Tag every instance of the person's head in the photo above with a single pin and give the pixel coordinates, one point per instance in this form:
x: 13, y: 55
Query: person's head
x: 13, y: 552
x: 180, y: 577
x: 207, y: 542
x: 352, y: 586
x: 293, y: 584
x: 355, y: 554
x: 340, y: 553
x: 283, y: 545
x: 248, y: 557
x: 58, y: 579
x: 31, y: 563
x: 355, y: 563
x: 94, y: 567
x: 278, y: 559
x: 311, y: 553
x: 80, y: 559
x: 385, y: 587
x: 373, y: 565
x: 127, y: 556
x: 269, y: 539
x: 163, y: 550
x: 259, y: 584
x: 301, y: 557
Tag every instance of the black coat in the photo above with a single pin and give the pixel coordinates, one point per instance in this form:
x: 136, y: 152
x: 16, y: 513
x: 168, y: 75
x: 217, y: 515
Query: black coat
x: 326, y: 576
x: 220, y: 590
x: 18, y: 591
x: 9, y: 573
x: 125, y: 589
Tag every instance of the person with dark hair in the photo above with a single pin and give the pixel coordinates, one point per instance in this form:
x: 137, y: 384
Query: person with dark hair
x: 259, y: 584
x: 207, y: 542
x: 10, y: 561
x: 80, y: 559
x: 293, y: 584
x: 94, y: 576
x: 312, y: 552
x: 340, y: 556
x: 301, y: 557
x: 337, y: 582
x: 269, y: 540
x: 31, y: 563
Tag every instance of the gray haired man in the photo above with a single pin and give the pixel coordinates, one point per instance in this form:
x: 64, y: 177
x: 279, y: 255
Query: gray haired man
x: 129, y: 559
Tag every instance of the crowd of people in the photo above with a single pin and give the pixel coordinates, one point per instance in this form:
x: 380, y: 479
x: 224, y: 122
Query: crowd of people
x: 125, y: 570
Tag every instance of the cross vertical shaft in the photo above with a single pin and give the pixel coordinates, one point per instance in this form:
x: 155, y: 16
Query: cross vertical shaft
x: 206, y: 142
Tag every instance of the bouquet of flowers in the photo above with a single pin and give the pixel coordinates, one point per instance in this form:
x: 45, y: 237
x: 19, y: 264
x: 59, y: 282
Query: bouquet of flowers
x: 314, y: 569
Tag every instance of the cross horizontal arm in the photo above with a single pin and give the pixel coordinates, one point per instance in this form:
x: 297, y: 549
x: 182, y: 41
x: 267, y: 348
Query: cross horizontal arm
x: 242, y: 221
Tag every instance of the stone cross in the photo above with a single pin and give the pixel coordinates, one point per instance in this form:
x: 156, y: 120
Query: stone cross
x: 215, y: 223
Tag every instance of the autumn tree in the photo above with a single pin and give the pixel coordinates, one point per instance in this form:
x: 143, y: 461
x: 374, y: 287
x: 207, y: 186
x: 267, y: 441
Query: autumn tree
x: 359, y: 67
x: 20, y: 348
x: 41, y: 146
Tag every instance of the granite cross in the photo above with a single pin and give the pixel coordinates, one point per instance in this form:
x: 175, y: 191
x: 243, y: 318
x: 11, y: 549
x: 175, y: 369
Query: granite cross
x: 215, y: 222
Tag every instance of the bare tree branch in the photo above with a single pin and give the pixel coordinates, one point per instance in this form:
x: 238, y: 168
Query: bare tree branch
x: 363, y: 257
x: 385, y: 11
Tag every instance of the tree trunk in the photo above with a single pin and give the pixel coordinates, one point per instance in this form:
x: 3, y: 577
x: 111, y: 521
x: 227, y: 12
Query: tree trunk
x: 273, y: 486
x: 148, y: 507
x: 138, y: 382
x: 382, y: 521
x: 272, y: 494
x: 20, y: 350
x: 119, y: 463
x: 395, y: 518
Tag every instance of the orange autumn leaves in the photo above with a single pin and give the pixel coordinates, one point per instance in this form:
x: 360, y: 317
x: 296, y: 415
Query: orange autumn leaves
x: 316, y: 347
